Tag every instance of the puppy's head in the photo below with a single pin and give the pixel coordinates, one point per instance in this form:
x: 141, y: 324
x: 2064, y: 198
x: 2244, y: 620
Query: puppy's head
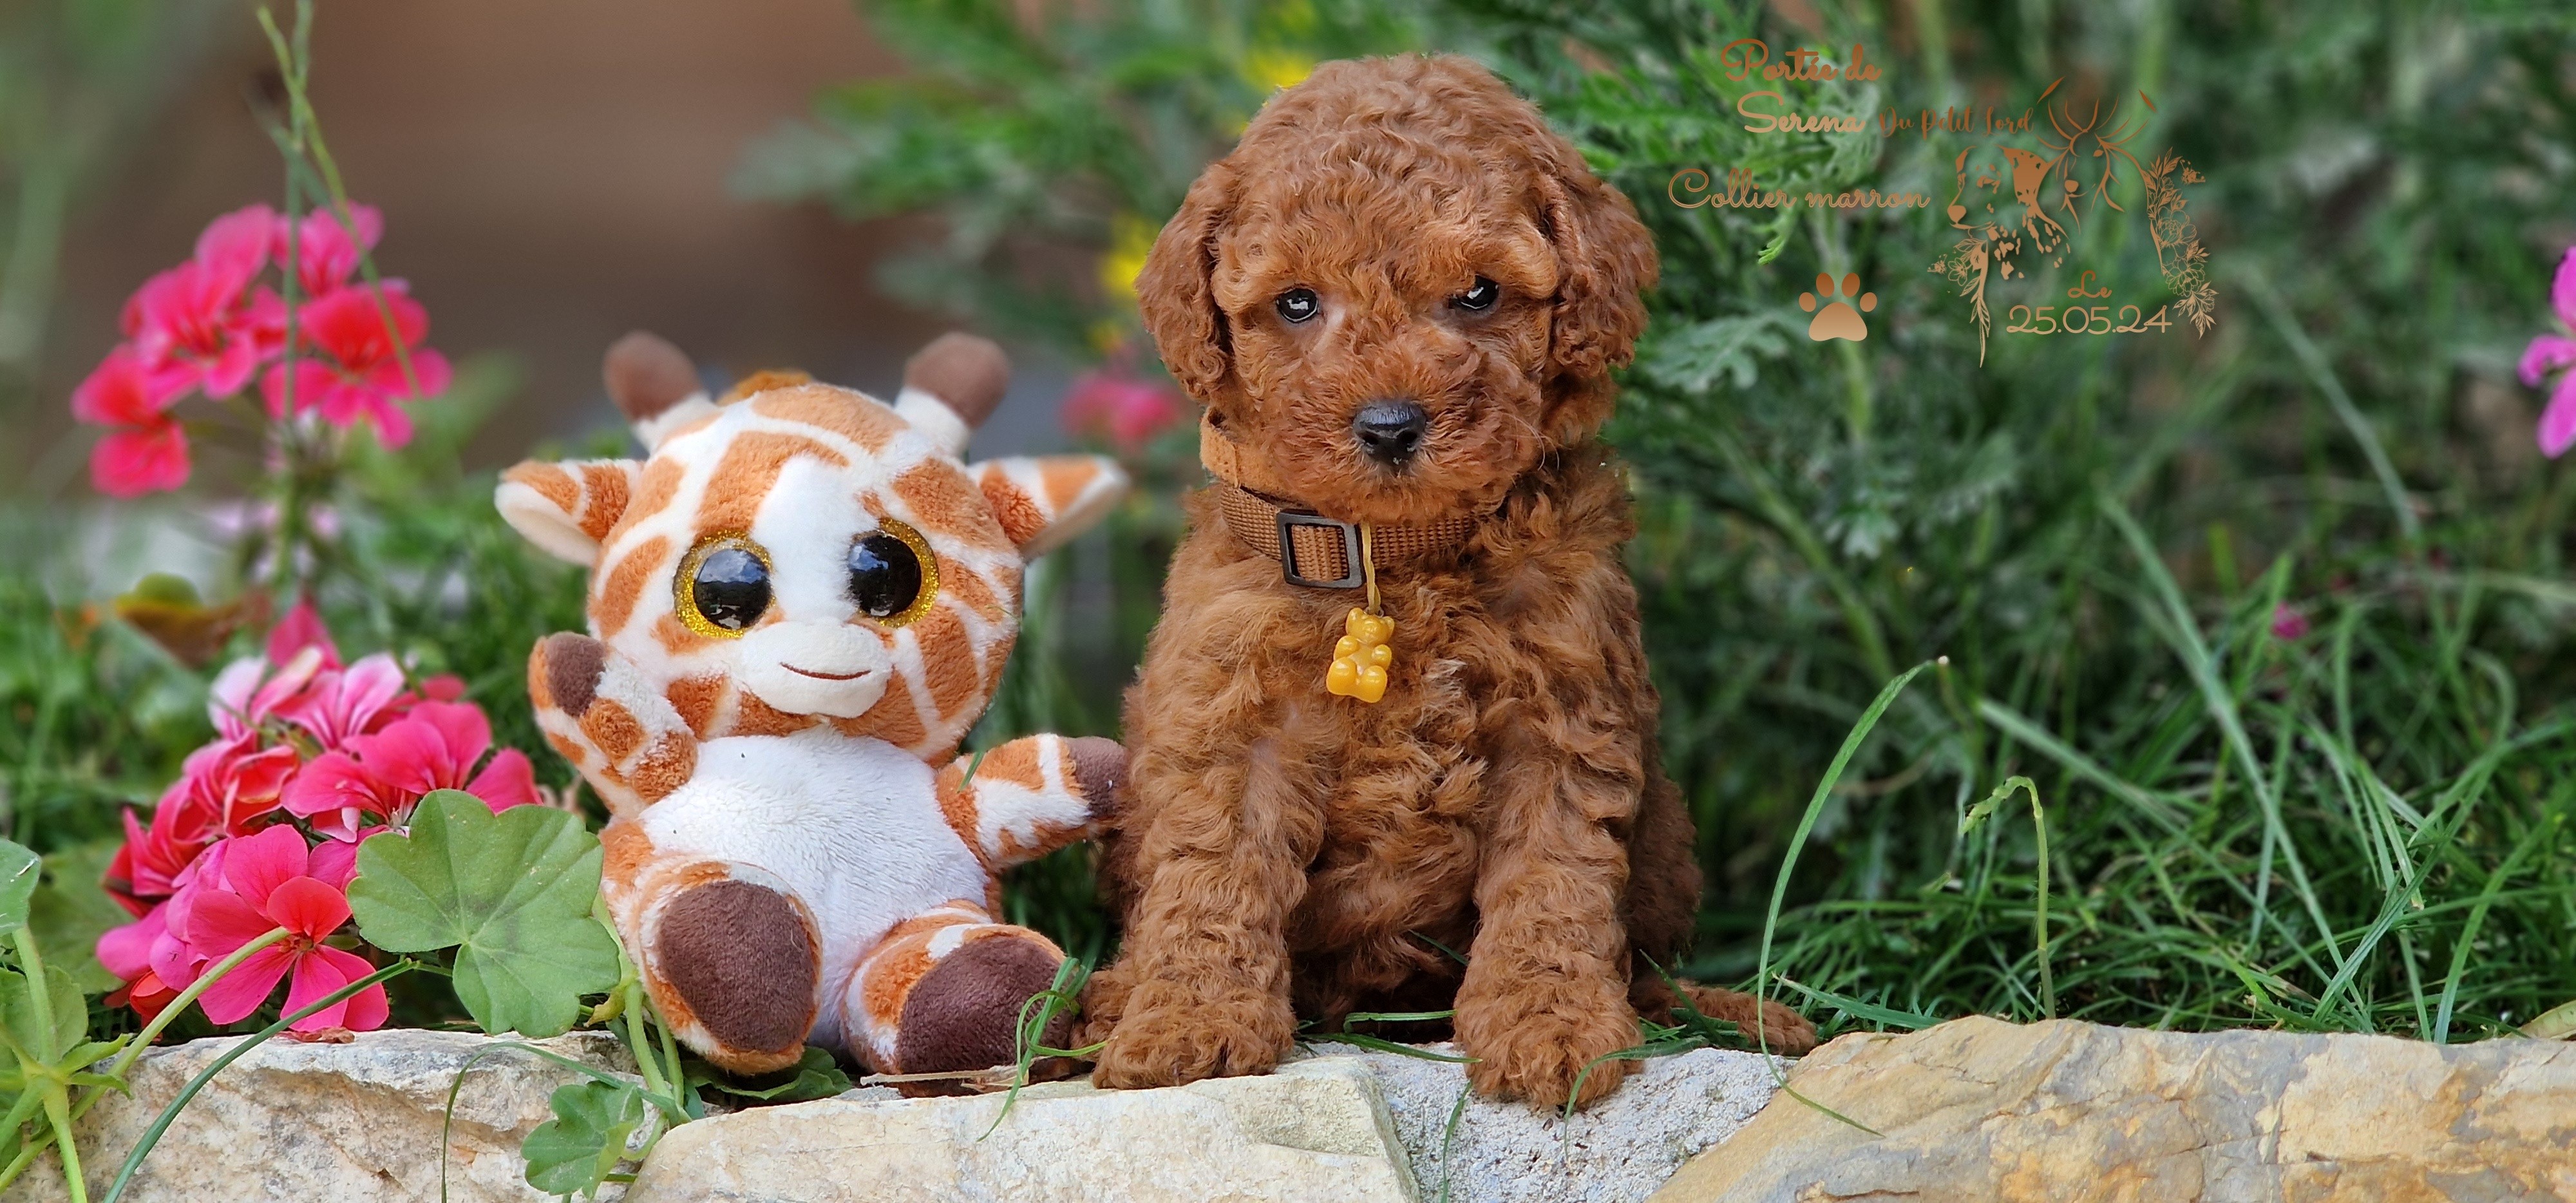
x: 1401, y: 289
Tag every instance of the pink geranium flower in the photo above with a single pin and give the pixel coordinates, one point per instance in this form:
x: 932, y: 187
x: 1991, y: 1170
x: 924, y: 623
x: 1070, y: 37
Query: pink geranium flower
x: 348, y: 369
x: 1128, y: 410
x: 145, y: 449
x: 259, y: 883
x: 127, y: 952
x: 326, y: 255
x: 2556, y: 353
x: 225, y: 788
x: 2289, y: 622
x: 250, y: 690
x: 383, y: 775
x: 203, y: 317
x: 299, y: 629
x: 351, y: 702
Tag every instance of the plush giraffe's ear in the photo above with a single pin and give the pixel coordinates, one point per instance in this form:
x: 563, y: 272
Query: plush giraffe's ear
x: 1044, y: 501
x: 567, y: 508
x: 951, y: 386
x: 654, y: 385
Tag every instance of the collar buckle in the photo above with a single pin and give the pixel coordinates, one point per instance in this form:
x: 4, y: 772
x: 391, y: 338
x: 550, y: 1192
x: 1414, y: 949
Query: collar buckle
x: 1289, y: 569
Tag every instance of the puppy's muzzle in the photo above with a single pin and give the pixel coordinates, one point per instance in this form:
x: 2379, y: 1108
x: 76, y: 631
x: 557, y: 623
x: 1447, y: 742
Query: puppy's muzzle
x: 1390, y: 430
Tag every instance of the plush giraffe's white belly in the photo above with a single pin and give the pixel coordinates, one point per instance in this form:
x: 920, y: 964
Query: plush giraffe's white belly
x: 852, y: 826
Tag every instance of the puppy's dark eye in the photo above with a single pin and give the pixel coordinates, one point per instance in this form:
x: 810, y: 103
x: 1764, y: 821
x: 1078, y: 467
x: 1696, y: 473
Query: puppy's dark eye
x: 892, y: 575
x: 724, y: 585
x: 1479, y: 298
x: 1298, y: 305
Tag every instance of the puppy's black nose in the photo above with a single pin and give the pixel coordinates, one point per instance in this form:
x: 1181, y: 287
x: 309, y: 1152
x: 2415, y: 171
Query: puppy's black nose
x: 1390, y: 430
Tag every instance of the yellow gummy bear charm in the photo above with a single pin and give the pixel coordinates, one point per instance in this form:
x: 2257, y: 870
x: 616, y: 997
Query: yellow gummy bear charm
x: 1361, y: 657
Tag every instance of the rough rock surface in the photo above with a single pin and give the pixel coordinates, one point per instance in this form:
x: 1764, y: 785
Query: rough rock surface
x: 1617, y: 1151
x: 328, y: 1121
x: 1314, y: 1131
x: 2063, y: 1111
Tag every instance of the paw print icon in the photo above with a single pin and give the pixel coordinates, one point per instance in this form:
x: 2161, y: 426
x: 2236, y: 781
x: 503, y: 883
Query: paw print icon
x: 1837, y: 319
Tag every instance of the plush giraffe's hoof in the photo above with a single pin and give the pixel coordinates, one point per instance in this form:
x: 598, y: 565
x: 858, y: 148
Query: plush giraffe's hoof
x: 1099, y: 771
x: 742, y: 960
x: 965, y: 1012
x: 573, y: 664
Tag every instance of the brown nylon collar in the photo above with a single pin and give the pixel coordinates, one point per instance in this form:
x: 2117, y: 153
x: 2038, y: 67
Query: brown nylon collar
x: 1319, y: 552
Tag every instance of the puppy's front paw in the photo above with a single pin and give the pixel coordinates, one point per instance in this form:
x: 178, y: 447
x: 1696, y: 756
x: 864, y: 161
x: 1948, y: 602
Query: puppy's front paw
x: 1169, y: 1036
x: 1534, y: 1043
x: 1104, y: 1003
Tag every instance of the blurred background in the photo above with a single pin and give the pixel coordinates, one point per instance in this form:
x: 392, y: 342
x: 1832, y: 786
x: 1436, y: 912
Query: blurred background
x: 2272, y: 618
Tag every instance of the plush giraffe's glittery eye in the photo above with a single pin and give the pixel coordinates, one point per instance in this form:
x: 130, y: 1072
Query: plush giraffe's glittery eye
x: 723, y: 585
x: 893, y: 576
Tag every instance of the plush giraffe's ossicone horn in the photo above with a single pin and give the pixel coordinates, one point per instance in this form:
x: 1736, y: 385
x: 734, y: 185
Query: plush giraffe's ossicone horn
x: 654, y: 385
x: 951, y: 386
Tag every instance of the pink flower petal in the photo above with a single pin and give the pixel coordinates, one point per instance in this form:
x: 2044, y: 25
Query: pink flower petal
x: 2546, y: 354
x: 121, y: 391
x: 326, y: 255
x: 324, y: 970
x: 412, y: 757
x: 308, y: 908
x: 2562, y: 290
x: 312, y: 380
x: 243, y: 990
x: 235, y: 246
x: 393, y: 426
x: 334, y: 862
x: 256, y: 865
x: 299, y: 629
x: 140, y: 460
x: 333, y: 791
x: 176, y: 961
x: 127, y: 951
x: 229, y: 368
x: 506, y: 782
x: 428, y: 367
x: 462, y: 729
x: 2558, y: 421
x: 351, y: 702
x: 219, y: 921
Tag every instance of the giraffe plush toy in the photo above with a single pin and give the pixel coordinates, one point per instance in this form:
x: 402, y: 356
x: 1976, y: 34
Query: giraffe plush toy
x: 800, y: 600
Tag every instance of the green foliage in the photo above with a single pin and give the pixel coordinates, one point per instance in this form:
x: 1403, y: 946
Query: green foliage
x: 18, y: 877
x: 70, y: 912
x: 577, y: 1150
x: 1071, y: 127
x: 44, y: 1027
x: 816, y: 1075
x: 511, y: 892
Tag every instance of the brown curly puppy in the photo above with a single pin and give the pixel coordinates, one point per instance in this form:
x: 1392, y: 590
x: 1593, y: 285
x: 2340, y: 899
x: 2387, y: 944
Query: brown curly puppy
x: 1400, y: 299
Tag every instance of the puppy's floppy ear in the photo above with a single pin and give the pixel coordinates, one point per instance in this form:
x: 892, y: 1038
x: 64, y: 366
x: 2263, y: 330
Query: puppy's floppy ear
x: 1173, y: 290
x: 1604, y: 258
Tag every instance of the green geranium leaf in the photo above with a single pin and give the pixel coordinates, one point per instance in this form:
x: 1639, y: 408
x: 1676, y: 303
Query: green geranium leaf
x: 511, y: 892
x: 18, y: 1014
x: 815, y: 1076
x: 580, y: 1147
x: 70, y: 912
x: 19, y: 869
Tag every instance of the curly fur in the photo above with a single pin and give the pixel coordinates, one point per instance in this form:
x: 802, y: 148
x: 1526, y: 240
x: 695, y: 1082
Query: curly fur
x: 1288, y: 853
